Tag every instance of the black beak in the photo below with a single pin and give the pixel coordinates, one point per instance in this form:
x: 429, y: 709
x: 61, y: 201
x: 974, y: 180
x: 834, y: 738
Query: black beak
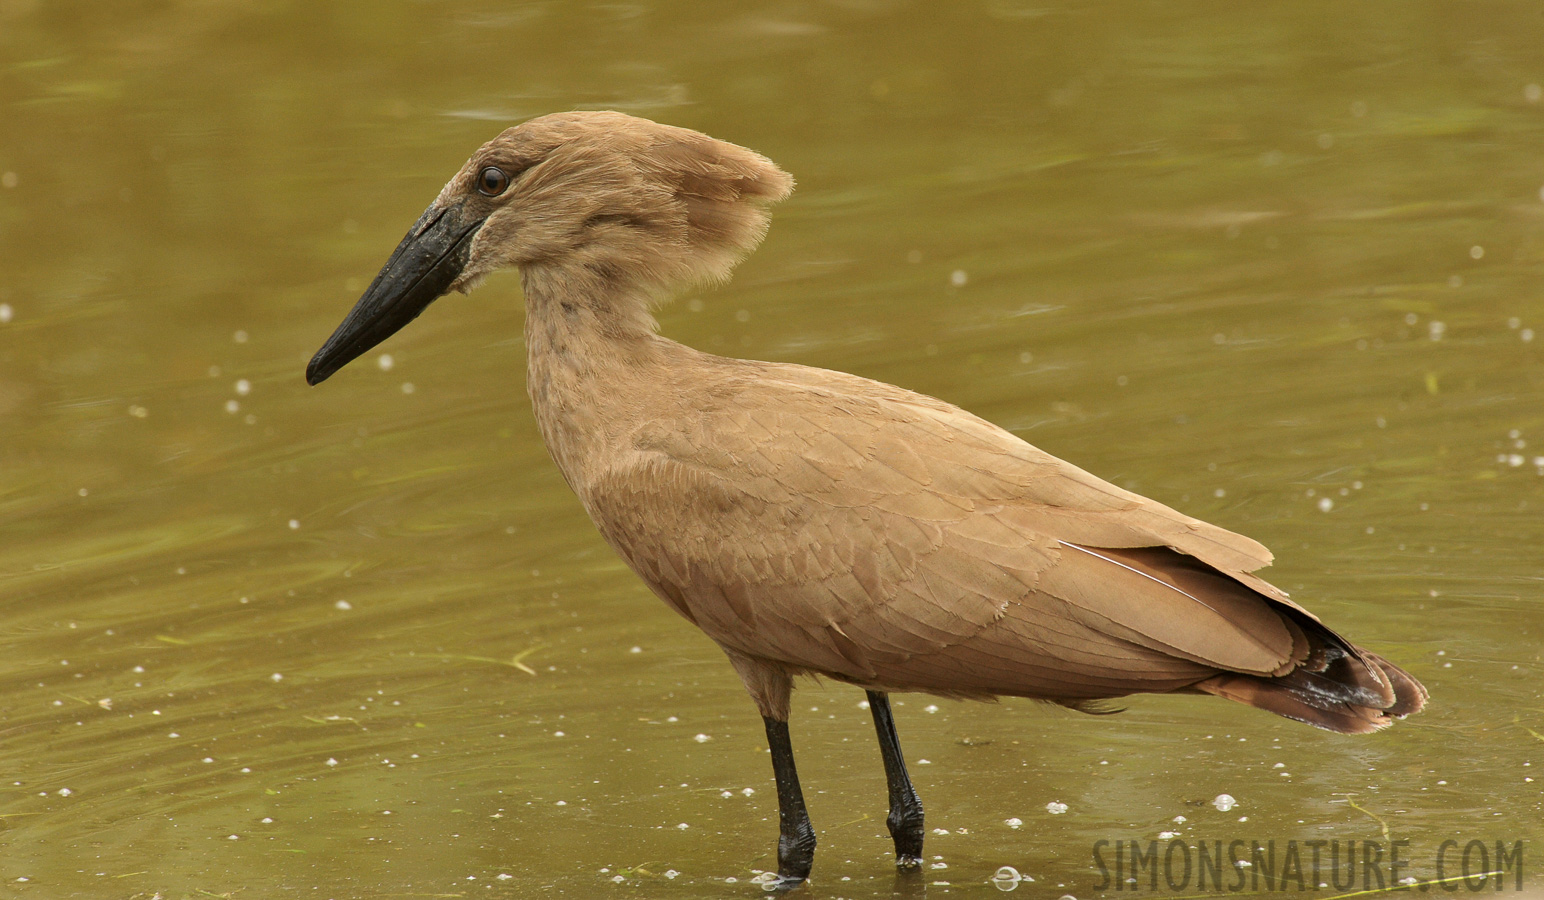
x: 420, y: 270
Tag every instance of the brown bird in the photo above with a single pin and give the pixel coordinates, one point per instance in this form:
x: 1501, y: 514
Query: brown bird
x: 815, y: 522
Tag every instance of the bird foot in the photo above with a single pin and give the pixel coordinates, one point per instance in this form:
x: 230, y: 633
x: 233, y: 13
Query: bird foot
x: 907, y: 862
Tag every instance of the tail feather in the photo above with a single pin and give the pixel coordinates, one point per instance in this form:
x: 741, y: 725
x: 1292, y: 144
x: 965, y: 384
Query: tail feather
x: 1409, y: 695
x: 1340, y: 687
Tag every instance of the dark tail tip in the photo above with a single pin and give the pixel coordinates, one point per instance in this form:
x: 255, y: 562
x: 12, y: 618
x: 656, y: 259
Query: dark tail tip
x: 1337, y: 705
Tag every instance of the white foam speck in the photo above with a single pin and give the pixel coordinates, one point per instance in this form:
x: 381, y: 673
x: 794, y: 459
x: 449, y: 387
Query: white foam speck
x: 1007, y: 878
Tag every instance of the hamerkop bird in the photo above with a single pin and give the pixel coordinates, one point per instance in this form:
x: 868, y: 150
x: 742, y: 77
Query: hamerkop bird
x: 814, y: 522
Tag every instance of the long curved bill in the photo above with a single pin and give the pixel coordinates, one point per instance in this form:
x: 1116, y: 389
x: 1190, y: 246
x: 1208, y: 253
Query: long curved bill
x: 419, y: 271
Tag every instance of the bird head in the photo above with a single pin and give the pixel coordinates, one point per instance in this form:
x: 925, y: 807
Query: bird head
x: 605, y: 201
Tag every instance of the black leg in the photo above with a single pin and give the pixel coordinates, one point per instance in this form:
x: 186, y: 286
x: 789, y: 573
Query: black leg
x: 905, y: 819
x: 796, y: 837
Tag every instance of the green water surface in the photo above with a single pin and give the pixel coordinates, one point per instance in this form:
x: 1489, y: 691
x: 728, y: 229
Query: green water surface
x: 1276, y: 265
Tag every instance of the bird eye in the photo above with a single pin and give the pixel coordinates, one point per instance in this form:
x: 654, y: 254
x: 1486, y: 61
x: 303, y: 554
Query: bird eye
x: 492, y: 181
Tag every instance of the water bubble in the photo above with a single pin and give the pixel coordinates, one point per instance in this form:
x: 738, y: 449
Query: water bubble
x: 385, y: 362
x: 701, y: 738
x: 1055, y: 808
x: 1435, y: 330
x: 6, y: 313
x: 1532, y: 93
x: 231, y: 406
x: 331, y: 761
x: 344, y: 605
x: 669, y: 873
x: 1007, y: 879
x: 1224, y: 802
x: 1326, y: 504
x: 1476, y: 252
x: 243, y: 387
x: 958, y: 278
x: 1014, y: 822
x: 930, y: 708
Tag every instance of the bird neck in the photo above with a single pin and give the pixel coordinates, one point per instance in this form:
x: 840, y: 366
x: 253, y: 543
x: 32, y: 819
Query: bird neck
x: 591, y: 358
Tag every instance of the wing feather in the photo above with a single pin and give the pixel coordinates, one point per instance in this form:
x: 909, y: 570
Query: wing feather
x: 831, y: 524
